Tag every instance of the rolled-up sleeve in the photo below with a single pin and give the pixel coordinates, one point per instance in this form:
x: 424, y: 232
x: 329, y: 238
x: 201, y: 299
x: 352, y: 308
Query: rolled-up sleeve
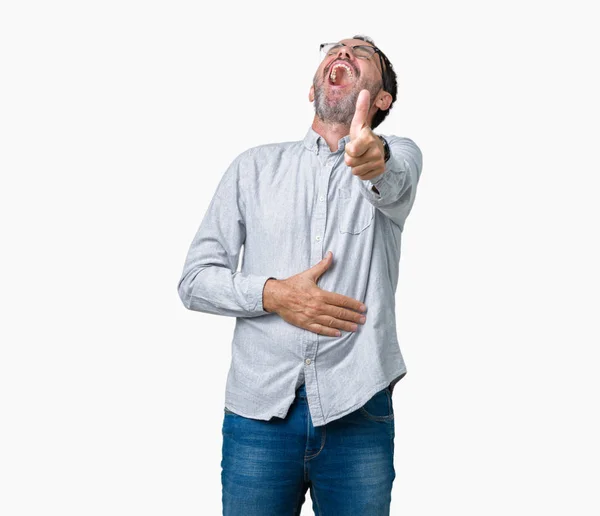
x: 397, y: 185
x: 209, y: 282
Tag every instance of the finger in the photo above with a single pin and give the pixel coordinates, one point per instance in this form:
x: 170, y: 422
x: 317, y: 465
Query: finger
x: 367, y: 169
x: 320, y: 267
x: 332, y: 322
x: 359, y: 146
x: 372, y: 155
x: 333, y: 298
x: 360, y: 113
x: 319, y: 329
x: 342, y: 314
x: 359, y: 162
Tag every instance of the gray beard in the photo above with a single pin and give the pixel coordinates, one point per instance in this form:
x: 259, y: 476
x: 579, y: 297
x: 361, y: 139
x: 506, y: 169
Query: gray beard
x: 341, y: 111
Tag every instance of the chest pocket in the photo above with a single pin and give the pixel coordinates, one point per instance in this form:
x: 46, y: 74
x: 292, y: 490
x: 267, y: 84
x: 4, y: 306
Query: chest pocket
x: 355, y: 214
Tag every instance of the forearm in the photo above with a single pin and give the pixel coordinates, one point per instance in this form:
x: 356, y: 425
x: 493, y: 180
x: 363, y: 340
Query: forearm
x: 209, y: 282
x: 217, y: 290
x: 393, y: 192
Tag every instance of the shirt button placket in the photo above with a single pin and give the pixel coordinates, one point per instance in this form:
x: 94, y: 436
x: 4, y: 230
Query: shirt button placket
x: 314, y: 403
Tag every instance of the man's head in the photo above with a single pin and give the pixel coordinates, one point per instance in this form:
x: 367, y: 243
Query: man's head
x: 344, y: 72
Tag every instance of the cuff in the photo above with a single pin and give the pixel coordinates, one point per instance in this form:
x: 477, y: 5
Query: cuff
x: 256, y: 286
x: 386, y: 183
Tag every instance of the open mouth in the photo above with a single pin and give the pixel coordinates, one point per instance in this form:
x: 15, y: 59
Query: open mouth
x: 341, y: 75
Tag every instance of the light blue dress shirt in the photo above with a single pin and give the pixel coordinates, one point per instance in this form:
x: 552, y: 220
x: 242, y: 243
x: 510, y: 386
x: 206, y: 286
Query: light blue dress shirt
x: 288, y: 204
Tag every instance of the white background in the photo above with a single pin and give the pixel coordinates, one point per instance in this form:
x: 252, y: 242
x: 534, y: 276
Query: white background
x: 118, y: 119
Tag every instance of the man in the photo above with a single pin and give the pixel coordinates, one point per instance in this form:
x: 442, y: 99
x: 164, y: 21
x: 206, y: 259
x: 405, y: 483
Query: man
x: 308, y: 397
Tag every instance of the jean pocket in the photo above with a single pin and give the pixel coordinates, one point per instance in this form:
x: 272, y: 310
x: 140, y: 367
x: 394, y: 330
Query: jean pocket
x: 355, y: 213
x: 379, y: 407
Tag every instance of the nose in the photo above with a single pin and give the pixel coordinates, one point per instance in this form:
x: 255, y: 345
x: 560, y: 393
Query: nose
x: 345, y: 51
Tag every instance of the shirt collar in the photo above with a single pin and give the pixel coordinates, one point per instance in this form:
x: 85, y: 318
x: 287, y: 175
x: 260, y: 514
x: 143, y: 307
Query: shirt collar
x: 311, y: 141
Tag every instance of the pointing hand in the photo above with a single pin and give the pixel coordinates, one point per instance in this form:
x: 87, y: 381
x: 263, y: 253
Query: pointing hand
x: 364, y: 152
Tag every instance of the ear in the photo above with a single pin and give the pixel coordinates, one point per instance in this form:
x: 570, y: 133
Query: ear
x: 384, y: 100
x: 311, y: 94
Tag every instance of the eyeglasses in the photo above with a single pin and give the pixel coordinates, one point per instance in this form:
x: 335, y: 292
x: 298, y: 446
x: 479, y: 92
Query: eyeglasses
x: 360, y: 51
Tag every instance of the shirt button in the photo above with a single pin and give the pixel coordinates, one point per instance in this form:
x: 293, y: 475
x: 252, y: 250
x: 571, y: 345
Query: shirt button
x: 321, y: 198
x: 307, y: 361
x: 318, y: 238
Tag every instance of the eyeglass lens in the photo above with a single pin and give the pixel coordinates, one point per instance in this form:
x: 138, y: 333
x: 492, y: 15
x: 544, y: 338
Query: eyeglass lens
x: 360, y: 51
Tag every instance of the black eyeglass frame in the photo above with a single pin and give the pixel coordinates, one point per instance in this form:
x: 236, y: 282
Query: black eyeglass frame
x: 381, y: 55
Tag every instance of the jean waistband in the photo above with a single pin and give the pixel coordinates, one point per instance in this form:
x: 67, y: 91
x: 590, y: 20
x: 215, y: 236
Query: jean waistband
x: 301, y: 391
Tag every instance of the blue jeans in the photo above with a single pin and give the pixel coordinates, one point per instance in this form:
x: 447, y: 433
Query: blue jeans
x: 268, y: 466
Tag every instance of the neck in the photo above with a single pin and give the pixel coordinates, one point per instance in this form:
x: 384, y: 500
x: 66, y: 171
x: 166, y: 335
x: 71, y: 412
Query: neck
x: 330, y: 132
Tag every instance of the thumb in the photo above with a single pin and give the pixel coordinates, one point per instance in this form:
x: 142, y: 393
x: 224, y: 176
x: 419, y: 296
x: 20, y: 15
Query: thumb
x: 318, y: 269
x: 360, y: 113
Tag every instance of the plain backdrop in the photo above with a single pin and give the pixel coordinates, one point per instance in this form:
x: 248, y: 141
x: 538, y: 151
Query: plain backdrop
x: 118, y: 119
